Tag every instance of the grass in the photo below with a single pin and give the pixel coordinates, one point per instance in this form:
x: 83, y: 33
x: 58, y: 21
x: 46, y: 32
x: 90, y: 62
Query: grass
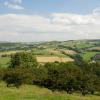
x: 87, y: 55
x: 4, y: 61
x: 48, y: 52
x: 32, y: 92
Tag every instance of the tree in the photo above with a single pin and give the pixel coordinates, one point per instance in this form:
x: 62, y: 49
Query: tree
x: 23, y: 59
x: 13, y: 77
x: 62, y: 76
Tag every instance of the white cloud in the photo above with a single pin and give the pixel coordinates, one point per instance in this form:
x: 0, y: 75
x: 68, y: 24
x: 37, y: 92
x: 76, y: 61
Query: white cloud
x: 17, y: 1
x: 14, y: 4
x: 58, y: 26
x: 96, y: 11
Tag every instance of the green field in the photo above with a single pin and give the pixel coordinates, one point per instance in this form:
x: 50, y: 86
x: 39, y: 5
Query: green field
x: 32, y: 92
x: 47, y: 52
x: 87, y: 55
x: 4, y: 61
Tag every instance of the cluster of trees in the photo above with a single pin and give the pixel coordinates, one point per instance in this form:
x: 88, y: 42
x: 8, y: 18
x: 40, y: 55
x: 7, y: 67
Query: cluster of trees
x: 15, y: 46
x: 70, y: 77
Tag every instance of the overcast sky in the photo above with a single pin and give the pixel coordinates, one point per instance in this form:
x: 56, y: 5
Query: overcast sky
x: 49, y: 20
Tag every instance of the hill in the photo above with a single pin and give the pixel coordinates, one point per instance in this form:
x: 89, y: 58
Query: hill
x: 86, y: 49
x: 32, y: 92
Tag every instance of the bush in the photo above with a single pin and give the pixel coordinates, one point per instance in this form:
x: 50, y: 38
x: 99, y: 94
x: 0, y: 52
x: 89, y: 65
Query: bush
x: 18, y: 76
x: 13, y: 77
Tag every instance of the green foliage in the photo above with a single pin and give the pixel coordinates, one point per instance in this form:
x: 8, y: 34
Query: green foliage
x: 13, y: 77
x: 70, y: 77
x: 23, y: 59
x: 33, y: 92
x: 57, y: 76
x: 83, y: 77
x: 18, y: 76
x: 62, y: 75
x: 2, y: 70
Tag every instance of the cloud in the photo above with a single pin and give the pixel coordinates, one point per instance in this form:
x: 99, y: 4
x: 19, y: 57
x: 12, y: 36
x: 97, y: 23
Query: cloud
x: 14, y: 4
x: 17, y: 1
x: 58, y: 26
x: 96, y: 11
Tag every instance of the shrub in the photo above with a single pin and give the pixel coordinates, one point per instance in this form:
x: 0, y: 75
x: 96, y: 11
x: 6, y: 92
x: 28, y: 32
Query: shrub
x: 13, y: 77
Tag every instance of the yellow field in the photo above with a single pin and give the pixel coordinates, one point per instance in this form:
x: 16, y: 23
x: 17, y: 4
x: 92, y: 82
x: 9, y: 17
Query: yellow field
x: 54, y: 51
x: 69, y: 51
x: 44, y: 59
x: 9, y: 52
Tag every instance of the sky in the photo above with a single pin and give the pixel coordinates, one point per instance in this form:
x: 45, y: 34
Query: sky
x: 49, y: 20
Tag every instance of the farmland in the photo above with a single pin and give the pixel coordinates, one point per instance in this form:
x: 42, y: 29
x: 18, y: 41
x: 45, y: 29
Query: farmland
x: 53, y: 59
x: 57, y: 53
x: 88, y: 55
x: 61, y: 49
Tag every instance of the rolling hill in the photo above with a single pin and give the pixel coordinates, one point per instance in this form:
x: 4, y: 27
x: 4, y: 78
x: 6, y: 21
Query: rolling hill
x: 86, y: 49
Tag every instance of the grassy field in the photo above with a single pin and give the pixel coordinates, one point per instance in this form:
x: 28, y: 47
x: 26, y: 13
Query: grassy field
x: 4, y: 61
x: 32, y: 92
x: 10, y: 52
x: 87, y: 56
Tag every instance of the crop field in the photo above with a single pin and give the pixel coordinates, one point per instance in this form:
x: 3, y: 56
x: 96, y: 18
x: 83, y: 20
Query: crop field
x: 45, y: 59
x: 9, y: 52
x: 69, y: 52
x: 95, y: 48
x: 48, y: 52
x: 4, y: 61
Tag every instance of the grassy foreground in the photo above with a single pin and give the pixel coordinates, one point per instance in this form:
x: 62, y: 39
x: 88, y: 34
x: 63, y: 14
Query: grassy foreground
x: 32, y: 92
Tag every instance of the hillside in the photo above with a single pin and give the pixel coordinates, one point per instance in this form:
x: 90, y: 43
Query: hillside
x: 86, y: 49
x: 32, y: 92
x: 44, y: 80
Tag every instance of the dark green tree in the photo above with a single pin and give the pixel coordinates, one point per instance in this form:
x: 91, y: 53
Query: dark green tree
x: 23, y: 59
x: 13, y: 77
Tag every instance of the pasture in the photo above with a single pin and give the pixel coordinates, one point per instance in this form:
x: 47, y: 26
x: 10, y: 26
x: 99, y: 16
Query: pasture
x: 87, y: 55
x: 32, y: 92
x: 4, y: 61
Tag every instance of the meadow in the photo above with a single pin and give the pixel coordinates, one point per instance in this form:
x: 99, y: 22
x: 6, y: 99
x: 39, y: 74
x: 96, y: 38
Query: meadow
x: 88, y: 55
x: 32, y: 92
x: 4, y: 62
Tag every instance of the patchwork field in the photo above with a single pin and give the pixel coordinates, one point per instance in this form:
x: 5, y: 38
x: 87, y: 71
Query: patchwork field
x: 53, y: 51
x: 4, y: 61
